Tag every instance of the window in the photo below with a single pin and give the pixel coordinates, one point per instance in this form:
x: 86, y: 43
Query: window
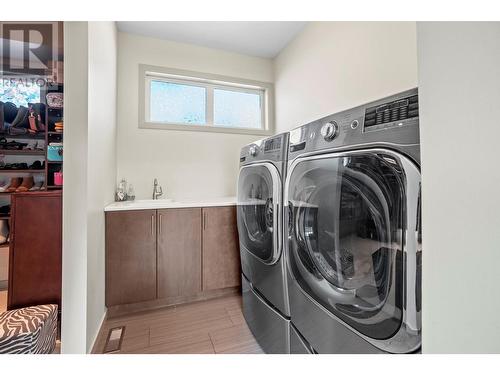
x: 19, y: 92
x: 177, y: 103
x: 237, y: 109
x: 180, y: 100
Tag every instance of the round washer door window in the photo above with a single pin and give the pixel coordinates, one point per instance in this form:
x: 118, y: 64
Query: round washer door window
x: 345, y: 225
x: 257, y: 226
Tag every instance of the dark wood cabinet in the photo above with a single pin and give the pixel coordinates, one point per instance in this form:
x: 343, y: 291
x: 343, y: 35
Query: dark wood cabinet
x: 170, y: 256
x: 130, y: 257
x: 179, y: 252
x: 221, y: 256
x: 35, y: 259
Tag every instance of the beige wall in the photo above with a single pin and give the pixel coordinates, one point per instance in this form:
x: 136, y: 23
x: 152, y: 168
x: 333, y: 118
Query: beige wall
x: 332, y: 66
x: 89, y: 175
x: 459, y: 80
x: 187, y: 164
x: 74, y: 259
x: 101, y: 162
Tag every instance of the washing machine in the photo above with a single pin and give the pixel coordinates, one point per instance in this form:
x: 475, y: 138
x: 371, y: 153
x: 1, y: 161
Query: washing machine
x: 260, y: 223
x: 353, y: 233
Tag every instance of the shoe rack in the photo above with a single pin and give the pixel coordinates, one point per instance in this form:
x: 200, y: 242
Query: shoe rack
x: 53, y: 134
x: 51, y: 117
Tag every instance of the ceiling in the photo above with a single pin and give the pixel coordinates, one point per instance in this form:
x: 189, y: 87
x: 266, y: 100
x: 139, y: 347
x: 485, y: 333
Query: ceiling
x: 257, y: 38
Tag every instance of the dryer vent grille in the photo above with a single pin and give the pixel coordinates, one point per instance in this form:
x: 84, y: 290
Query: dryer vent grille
x: 398, y: 110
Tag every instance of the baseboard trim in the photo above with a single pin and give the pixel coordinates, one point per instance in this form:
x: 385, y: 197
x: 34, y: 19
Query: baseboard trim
x: 98, y: 334
x: 115, y: 311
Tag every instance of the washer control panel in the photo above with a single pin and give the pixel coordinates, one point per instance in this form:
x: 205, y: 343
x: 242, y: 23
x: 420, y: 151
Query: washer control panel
x: 272, y: 149
x: 254, y: 150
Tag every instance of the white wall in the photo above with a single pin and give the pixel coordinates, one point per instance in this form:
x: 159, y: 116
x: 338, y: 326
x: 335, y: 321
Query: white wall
x: 89, y: 175
x: 187, y: 164
x: 459, y: 82
x: 101, y: 161
x: 74, y: 259
x: 332, y: 66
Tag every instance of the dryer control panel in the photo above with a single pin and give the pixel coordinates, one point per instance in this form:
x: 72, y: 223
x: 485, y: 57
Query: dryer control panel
x: 392, y: 120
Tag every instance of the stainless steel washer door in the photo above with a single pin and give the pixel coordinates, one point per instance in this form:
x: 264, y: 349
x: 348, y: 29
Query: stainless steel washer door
x: 259, y: 197
x: 353, y: 242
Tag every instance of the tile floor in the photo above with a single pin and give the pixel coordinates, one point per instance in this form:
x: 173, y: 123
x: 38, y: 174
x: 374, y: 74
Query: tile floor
x: 207, y: 327
x: 3, y: 300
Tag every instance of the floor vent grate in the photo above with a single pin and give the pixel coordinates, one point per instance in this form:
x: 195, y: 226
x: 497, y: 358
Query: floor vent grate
x: 114, y: 340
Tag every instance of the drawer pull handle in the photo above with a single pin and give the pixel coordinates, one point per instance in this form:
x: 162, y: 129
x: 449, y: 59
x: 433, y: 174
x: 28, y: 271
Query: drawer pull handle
x: 159, y: 224
x: 152, y: 224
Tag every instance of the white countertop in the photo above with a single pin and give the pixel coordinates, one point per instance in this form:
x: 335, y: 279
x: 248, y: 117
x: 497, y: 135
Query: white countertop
x: 149, y: 204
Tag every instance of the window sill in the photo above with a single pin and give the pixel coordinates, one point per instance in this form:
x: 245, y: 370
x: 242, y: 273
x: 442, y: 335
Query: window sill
x: 203, y: 128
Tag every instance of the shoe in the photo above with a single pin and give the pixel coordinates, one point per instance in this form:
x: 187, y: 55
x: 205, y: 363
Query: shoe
x: 14, y: 184
x: 12, y: 145
x: 16, y: 131
x: 3, y: 186
x: 31, y: 145
x: 4, y: 231
x: 40, y: 145
x: 21, y: 120
x: 26, y: 185
x: 36, y: 165
x: 15, y: 166
x: 37, y: 186
x: 9, y: 112
x: 37, y: 110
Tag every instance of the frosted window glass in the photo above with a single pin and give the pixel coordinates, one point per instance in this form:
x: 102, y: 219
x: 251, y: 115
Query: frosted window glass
x: 20, y: 92
x: 177, y: 103
x: 237, y: 109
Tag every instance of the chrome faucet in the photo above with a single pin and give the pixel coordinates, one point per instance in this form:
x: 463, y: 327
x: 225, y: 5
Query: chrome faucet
x: 157, y: 190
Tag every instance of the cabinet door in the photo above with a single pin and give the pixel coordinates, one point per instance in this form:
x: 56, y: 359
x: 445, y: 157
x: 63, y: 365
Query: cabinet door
x: 179, y: 252
x: 221, y: 255
x: 36, y: 249
x: 130, y: 256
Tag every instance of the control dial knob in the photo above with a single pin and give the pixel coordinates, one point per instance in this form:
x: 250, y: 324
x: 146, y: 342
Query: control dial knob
x: 329, y: 130
x: 254, y: 150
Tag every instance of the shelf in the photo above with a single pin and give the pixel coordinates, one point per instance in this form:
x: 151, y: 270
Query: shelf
x: 54, y: 162
x: 25, y: 136
x: 53, y: 187
x: 55, y: 133
x: 22, y: 152
x: 22, y: 171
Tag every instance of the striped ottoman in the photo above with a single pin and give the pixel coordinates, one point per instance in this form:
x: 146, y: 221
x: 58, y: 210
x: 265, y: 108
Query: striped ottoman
x: 30, y: 330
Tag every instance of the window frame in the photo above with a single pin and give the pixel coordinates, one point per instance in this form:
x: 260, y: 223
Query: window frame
x: 210, y: 82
